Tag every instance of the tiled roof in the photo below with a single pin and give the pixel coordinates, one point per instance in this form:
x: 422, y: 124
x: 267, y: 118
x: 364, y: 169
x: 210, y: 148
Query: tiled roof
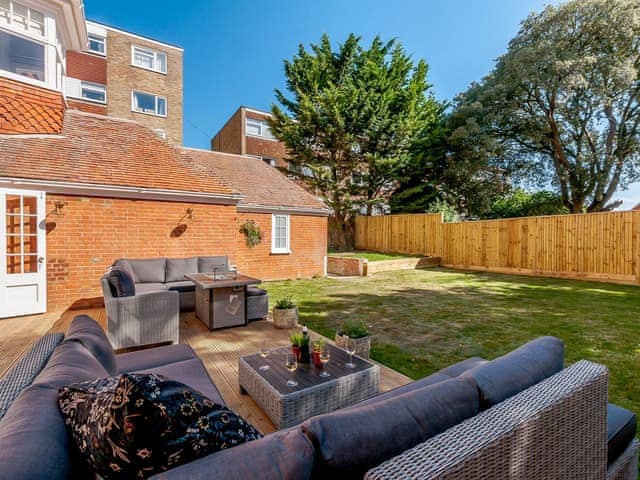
x: 261, y: 185
x: 94, y: 149
x: 19, y: 115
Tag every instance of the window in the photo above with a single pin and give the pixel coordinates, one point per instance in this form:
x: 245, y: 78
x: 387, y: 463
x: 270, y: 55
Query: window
x: 148, y: 103
x: 21, y: 56
x: 95, y: 92
x: 21, y: 17
x: 258, y: 128
x: 269, y: 161
x: 97, y: 44
x: 357, y: 178
x: 149, y: 59
x: 280, y: 234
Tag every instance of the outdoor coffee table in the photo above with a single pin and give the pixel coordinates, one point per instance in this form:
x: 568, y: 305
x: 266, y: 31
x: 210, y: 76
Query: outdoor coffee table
x: 288, y: 406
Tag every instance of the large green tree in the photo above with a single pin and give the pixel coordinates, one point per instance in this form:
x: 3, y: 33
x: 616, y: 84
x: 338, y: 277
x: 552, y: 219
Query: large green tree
x: 562, y: 106
x: 350, y: 118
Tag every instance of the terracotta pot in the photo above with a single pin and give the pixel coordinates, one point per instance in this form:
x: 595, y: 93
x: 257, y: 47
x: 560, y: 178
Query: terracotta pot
x: 316, y: 359
x: 285, y: 317
x: 296, y: 351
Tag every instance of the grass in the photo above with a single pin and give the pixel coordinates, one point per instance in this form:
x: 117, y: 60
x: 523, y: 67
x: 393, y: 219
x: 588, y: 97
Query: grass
x: 370, y: 256
x: 424, y: 320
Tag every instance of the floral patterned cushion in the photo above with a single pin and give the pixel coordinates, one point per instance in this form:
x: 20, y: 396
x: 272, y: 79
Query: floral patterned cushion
x: 136, y: 425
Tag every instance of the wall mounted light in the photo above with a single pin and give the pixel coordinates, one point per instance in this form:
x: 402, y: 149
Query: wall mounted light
x: 58, y: 206
x: 190, y: 215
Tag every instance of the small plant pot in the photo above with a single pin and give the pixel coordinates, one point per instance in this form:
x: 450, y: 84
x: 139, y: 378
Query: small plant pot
x: 296, y: 352
x: 363, y: 344
x: 316, y: 359
x: 285, y: 317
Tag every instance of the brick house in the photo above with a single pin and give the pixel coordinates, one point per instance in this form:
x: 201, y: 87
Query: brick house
x: 80, y: 189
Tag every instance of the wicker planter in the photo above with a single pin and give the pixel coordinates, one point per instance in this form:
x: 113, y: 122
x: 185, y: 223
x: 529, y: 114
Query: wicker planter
x: 363, y: 344
x: 285, y: 317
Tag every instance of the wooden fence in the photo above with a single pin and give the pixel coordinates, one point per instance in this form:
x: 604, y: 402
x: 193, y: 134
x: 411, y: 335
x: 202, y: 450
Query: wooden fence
x: 598, y: 246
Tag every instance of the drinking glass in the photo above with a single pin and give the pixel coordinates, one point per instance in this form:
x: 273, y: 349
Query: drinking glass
x: 325, y: 356
x: 292, y: 365
x: 264, y: 352
x: 350, y: 346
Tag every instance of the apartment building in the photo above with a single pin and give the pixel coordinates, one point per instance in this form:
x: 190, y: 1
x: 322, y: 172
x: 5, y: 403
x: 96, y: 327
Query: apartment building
x: 125, y: 75
x: 247, y: 132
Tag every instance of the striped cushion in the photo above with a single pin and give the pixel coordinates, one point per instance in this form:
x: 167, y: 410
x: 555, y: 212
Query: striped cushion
x: 24, y: 372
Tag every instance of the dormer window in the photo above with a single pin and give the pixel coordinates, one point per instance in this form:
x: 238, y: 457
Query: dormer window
x: 21, y: 18
x: 21, y: 57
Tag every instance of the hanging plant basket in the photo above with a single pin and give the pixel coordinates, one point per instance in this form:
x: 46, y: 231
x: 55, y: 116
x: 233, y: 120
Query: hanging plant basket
x: 252, y: 233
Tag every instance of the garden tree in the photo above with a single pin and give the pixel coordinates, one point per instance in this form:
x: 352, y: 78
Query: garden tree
x: 520, y: 203
x: 353, y: 114
x: 561, y: 107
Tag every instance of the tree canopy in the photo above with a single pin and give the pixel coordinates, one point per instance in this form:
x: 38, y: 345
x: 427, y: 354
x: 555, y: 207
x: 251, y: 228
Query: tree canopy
x: 562, y: 107
x: 350, y: 118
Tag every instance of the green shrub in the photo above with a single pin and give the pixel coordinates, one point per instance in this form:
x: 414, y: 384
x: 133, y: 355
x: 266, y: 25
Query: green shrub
x: 285, y: 303
x: 354, y: 329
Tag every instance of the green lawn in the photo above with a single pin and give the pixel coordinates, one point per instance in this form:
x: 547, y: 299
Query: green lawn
x: 370, y: 256
x: 424, y: 320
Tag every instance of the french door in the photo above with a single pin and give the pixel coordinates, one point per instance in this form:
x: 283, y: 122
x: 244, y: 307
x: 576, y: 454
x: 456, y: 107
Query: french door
x: 23, y: 275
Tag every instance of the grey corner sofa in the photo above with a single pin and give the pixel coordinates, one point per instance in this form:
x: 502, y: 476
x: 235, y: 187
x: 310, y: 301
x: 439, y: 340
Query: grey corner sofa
x: 520, y: 416
x: 152, y: 315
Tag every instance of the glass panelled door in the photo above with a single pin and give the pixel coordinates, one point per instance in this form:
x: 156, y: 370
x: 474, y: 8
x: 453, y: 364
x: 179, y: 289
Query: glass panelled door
x: 22, y: 253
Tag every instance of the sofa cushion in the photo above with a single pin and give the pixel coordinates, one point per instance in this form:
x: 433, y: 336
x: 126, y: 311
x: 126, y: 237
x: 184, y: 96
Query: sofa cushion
x: 182, y: 287
x: 150, y: 270
x: 123, y: 264
x: 91, y: 335
x: 121, y: 283
x: 154, y: 357
x: 461, y: 367
x: 255, y: 292
x: 132, y: 426
x: 409, y: 387
x: 33, y: 438
x: 282, y: 455
x: 190, y: 372
x: 178, y: 267
x: 350, y: 441
x: 516, y: 371
x: 208, y: 264
x: 621, y: 430
x: 142, y: 288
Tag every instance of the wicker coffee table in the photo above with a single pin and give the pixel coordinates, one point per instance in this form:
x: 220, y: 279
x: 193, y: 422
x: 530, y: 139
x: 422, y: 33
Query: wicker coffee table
x: 288, y: 406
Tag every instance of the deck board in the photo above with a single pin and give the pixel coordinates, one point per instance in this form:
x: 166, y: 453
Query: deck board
x: 219, y: 351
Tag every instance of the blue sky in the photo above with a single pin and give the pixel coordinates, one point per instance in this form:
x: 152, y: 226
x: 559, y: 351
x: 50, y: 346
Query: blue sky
x: 234, y: 51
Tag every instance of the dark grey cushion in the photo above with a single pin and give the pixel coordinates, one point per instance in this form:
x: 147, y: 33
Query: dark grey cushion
x: 184, y: 286
x: 283, y: 455
x: 255, y: 292
x: 33, y: 438
x: 121, y: 283
x: 142, y: 288
x: 178, y: 267
x: 148, y: 270
x: 461, y: 367
x: 208, y: 264
x: 409, y: 387
x: 154, y: 357
x: 621, y: 430
x: 190, y: 372
x: 516, y: 371
x: 350, y: 441
x: 27, y: 368
x: 123, y: 264
x: 90, y: 334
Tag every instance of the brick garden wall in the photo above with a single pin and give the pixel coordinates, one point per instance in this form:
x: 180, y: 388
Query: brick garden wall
x: 92, y: 232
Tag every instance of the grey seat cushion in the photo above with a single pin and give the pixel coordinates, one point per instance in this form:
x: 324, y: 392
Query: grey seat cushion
x: 283, y: 455
x: 255, y: 291
x: 350, y: 441
x: 121, y: 283
x: 621, y: 430
x: 27, y: 368
x: 177, y: 268
x: 461, y: 367
x: 516, y: 371
x: 150, y: 270
x: 190, y: 372
x: 33, y: 439
x: 183, y: 286
x: 208, y: 264
x: 90, y: 334
x: 142, y: 288
x: 154, y: 357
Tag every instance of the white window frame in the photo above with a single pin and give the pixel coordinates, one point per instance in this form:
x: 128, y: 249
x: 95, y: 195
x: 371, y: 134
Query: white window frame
x: 156, y: 114
x: 98, y: 38
x: 28, y: 31
x: 261, y: 124
x: 155, y: 54
x: 287, y: 248
x: 95, y: 87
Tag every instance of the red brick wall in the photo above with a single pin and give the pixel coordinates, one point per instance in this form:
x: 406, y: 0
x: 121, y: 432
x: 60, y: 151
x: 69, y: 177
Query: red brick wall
x: 88, y: 107
x: 92, y: 232
x: 267, y: 148
x: 84, y: 66
x: 26, y: 108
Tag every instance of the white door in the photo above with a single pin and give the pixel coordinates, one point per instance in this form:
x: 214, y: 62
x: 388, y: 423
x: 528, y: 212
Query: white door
x: 23, y: 275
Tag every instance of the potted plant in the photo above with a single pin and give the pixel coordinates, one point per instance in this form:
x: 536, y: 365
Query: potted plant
x: 356, y: 331
x: 296, y: 343
x: 285, y: 313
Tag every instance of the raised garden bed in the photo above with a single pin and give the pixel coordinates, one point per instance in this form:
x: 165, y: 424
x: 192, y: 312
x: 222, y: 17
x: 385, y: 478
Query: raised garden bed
x: 362, y: 263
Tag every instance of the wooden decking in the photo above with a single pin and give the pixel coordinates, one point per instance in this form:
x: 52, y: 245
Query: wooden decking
x: 218, y: 350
